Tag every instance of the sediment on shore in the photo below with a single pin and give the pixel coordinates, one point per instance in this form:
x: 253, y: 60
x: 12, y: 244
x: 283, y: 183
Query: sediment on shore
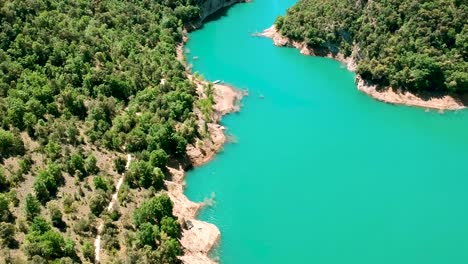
x: 199, y: 237
x: 385, y: 94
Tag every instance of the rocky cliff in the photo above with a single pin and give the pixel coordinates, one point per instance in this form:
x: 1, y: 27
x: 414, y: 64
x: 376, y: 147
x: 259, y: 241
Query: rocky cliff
x: 209, y: 7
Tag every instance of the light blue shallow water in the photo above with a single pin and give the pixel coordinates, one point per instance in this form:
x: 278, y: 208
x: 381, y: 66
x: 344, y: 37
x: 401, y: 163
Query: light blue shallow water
x: 321, y: 173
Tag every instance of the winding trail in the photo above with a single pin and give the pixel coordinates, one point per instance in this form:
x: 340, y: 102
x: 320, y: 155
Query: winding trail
x: 97, y: 241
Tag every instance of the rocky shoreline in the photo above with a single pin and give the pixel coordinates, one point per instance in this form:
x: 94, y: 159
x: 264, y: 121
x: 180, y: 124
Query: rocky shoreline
x: 387, y: 95
x: 199, y: 237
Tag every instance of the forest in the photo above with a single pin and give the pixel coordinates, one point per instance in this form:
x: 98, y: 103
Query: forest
x: 411, y: 45
x: 82, y: 84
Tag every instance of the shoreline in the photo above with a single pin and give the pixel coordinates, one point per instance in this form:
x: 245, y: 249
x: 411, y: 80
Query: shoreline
x: 386, y: 95
x: 199, y: 237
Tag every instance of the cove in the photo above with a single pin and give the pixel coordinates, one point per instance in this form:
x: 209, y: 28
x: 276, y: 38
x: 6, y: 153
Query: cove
x: 319, y: 172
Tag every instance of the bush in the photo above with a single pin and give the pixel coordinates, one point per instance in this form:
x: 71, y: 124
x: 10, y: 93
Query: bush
x: 5, y: 213
x: 7, y: 235
x: 142, y: 174
x: 158, y: 158
x: 153, y: 210
x: 41, y: 240
x: 88, y: 251
x: 170, y: 226
x: 85, y: 226
x: 32, y: 207
x: 102, y: 184
x: 4, y: 183
x: 10, y: 144
x: 91, y: 165
x: 56, y: 216
x: 98, y: 202
x: 119, y: 165
x: 76, y: 163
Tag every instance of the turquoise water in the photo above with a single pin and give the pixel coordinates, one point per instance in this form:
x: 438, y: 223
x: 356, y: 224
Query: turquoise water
x: 321, y: 173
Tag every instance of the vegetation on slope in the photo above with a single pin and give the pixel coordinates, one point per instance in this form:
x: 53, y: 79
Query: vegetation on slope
x: 413, y: 45
x: 82, y: 83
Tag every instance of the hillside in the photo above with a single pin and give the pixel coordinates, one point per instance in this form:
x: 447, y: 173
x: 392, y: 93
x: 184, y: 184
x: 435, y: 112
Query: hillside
x: 83, y: 84
x: 412, y: 45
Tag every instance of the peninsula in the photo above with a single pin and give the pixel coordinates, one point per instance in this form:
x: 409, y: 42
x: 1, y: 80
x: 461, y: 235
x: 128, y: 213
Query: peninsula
x: 402, y: 52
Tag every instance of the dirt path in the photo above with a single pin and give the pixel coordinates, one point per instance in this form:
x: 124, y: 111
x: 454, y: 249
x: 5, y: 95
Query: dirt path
x: 97, y: 241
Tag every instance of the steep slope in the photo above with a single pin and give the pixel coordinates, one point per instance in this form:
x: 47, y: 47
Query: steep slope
x: 412, y: 45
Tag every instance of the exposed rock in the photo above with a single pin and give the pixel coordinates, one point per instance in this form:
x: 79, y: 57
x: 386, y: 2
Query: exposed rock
x: 199, y: 237
x: 210, y: 7
x: 384, y: 94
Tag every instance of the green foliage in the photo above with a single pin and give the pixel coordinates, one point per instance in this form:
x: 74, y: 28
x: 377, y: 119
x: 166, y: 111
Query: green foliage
x: 76, y: 164
x: 414, y: 45
x: 13, y: 197
x: 47, y: 182
x: 158, y: 158
x: 119, y: 165
x: 7, y: 235
x: 55, y: 215
x: 102, y: 183
x: 148, y: 234
x: 32, y: 207
x: 91, y: 165
x: 141, y: 173
x: 88, y: 251
x: 42, y: 241
x: 153, y: 210
x: 5, y: 213
x: 206, y: 104
x: 4, y: 183
x: 85, y: 226
x: 10, y: 144
x: 25, y: 164
x: 68, y: 69
x: 98, y: 202
x: 170, y: 226
x: 68, y: 204
x: 169, y: 250
x: 53, y: 150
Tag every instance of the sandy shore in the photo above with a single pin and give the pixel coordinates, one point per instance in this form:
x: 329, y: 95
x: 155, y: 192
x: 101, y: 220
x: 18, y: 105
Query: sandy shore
x: 387, y: 95
x: 199, y: 237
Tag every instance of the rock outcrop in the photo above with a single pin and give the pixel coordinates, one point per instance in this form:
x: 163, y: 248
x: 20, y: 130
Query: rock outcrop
x: 209, y: 7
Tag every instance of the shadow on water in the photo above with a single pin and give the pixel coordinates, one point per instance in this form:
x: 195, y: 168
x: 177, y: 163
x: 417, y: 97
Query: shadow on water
x: 221, y: 13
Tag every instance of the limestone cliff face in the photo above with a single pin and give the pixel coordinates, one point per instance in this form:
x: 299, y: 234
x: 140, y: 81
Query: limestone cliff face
x: 209, y: 7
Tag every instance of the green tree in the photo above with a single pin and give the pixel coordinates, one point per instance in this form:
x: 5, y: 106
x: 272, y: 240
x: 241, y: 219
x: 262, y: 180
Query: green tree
x: 98, y: 202
x: 53, y: 150
x: 141, y: 173
x: 32, y: 206
x: 55, y: 215
x: 148, y: 234
x: 41, y: 240
x: 153, y: 210
x: 88, y: 251
x: 7, y: 235
x: 169, y: 250
x: 76, y: 163
x: 102, y: 183
x: 5, y: 213
x: 158, y: 158
x: 119, y: 165
x: 91, y: 165
x: 170, y: 226
x: 10, y: 144
x: 4, y: 184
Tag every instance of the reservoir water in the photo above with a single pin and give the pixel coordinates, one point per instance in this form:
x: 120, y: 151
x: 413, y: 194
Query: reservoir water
x: 319, y: 172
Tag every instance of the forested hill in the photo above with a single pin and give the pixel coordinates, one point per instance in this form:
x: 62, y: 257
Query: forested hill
x: 83, y: 83
x: 411, y: 44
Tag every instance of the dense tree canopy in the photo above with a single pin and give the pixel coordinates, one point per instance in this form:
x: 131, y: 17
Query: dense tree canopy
x: 414, y: 45
x: 83, y: 82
